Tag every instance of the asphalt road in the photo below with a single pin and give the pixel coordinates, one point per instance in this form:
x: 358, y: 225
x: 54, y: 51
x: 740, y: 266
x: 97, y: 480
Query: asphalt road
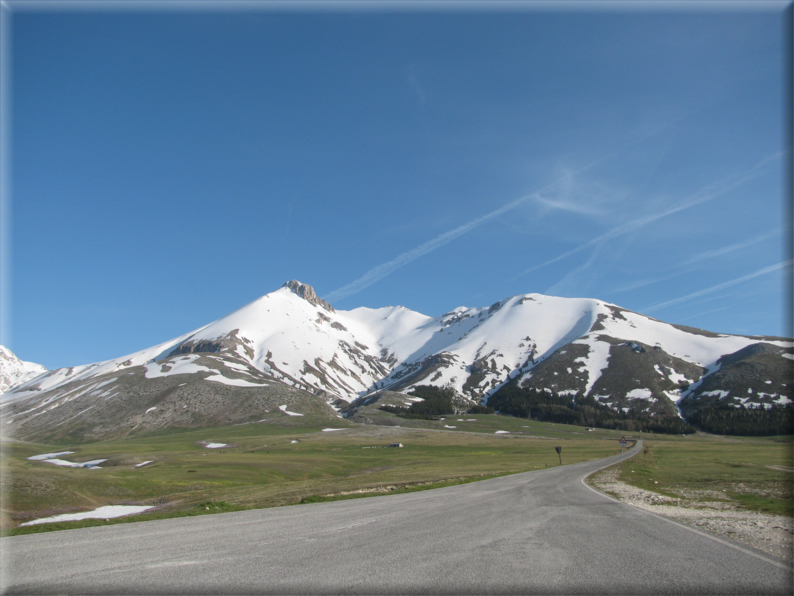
x: 541, y: 532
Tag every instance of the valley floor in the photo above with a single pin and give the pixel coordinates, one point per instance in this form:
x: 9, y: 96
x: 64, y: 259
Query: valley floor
x: 772, y: 534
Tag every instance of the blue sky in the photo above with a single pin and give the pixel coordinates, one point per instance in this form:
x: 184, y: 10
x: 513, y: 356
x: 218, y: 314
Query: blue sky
x: 171, y: 166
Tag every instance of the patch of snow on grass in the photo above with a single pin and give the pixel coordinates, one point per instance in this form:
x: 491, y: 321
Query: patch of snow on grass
x: 105, y: 512
x: 640, y: 394
x: 150, y: 409
x: 328, y: 430
x: 722, y: 394
x: 215, y: 445
x: 219, y: 378
x: 787, y: 355
x: 502, y: 432
x: 70, y: 464
x: 448, y: 426
x: 140, y: 465
x: 287, y: 412
x: 49, y: 455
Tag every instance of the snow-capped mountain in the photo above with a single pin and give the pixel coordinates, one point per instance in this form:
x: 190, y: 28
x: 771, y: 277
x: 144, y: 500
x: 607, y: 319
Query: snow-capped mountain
x: 292, y: 340
x: 14, y: 371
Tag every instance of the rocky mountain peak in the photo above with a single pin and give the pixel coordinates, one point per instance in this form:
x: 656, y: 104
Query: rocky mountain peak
x: 307, y: 292
x: 14, y: 371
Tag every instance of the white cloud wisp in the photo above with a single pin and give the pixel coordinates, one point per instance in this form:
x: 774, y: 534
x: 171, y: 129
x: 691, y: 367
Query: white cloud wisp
x: 705, y: 195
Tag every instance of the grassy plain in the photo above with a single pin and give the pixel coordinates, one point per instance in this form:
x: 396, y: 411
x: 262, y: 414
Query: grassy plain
x: 295, y: 460
x: 265, y: 465
x: 750, y: 473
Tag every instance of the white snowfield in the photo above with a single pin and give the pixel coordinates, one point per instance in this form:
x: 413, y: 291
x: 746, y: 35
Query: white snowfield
x: 348, y: 354
x: 94, y: 463
x: 52, y: 458
x: 106, y: 512
x: 218, y: 378
x: 49, y: 455
x: 640, y: 394
x: 14, y: 371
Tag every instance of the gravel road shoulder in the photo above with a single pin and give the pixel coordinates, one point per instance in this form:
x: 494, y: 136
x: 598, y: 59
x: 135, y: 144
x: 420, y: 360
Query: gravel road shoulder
x: 768, y: 533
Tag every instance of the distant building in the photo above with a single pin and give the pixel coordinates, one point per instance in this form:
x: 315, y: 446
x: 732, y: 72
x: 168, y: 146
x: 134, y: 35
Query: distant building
x: 396, y: 445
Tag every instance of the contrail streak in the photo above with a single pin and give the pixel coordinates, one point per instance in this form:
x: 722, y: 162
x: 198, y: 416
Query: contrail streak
x: 729, y: 249
x: 377, y: 273
x: 709, y: 193
x: 381, y: 271
x: 712, y: 289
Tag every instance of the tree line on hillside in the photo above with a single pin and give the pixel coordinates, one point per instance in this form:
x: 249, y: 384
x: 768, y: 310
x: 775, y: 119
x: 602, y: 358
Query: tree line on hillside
x: 579, y: 410
x: 437, y: 401
x: 724, y: 419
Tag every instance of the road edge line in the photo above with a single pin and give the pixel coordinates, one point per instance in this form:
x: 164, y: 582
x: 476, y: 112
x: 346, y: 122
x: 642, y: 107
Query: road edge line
x: 739, y: 547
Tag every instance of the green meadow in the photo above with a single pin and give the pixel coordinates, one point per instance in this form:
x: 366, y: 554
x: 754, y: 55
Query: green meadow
x: 267, y: 465
x: 750, y: 473
x: 295, y: 461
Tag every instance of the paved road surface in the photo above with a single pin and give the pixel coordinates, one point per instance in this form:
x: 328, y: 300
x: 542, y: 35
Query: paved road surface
x: 538, y: 532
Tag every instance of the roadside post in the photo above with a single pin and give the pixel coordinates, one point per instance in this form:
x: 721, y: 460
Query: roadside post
x: 622, y: 444
x: 559, y: 453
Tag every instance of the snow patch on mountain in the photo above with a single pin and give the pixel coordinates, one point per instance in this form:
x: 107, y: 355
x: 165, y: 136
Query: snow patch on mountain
x: 296, y: 338
x: 596, y: 360
x: 218, y: 378
x: 287, y: 412
x: 177, y: 366
x: 640, y: 394
x: 14, y: 372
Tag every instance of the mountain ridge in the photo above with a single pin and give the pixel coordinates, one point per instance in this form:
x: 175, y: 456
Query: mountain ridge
x: 293, y: 340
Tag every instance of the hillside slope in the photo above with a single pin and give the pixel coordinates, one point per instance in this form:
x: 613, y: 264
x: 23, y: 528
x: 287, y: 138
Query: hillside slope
x: 292, y: 341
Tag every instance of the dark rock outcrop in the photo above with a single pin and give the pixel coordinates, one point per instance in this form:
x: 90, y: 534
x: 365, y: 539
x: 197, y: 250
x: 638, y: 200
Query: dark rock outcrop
x: 307, y: 292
